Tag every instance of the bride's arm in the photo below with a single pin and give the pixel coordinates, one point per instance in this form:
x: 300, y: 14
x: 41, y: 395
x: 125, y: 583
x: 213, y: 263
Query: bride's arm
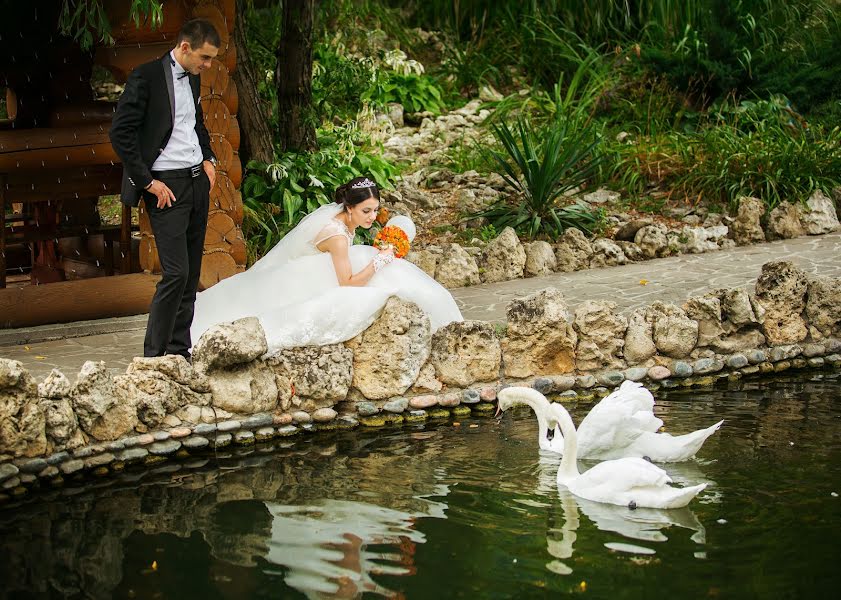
x: 338, y: 249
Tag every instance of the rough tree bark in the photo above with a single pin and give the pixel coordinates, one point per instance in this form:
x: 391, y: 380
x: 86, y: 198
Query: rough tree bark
x: 253, y: 117
x: 294, y: 78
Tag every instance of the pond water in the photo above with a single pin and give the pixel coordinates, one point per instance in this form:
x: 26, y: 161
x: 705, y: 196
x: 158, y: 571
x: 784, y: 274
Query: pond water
x: 456, y: 511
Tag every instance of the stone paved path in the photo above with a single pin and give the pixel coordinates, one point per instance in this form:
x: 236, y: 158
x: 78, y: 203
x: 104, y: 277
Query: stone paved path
x: 668, y: 279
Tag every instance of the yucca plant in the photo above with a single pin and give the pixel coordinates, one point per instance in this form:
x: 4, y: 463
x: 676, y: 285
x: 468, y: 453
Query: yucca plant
x: 540, y: 171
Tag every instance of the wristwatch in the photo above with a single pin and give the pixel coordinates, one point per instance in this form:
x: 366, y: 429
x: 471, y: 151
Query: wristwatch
x: 213, y: 161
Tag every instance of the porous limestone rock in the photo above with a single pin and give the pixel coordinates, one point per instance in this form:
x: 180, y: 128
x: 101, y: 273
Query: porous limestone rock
x: 62, y: 427
x: 388, y: 356
x: 426, y: 260
x: 152, y: 393
x: 675, y: 334
x: 427, y: 381
x: 22, y: 426
x: 228, y: 344
x: 706, y: 310
x: 823, y: 306
x: 540, y: 338
x: 466, y: 352
x: 818, y: 216
x: 639, y: 338
x: 784, y: 222
x: 320, y: 373
x: 100, y: 413
x: 456, y: 268
x: 747, y: 226
x: 653, y: 241
x: 606, y: 253
x: 781, y: 290
x: 601, y: 336
x: 503, y: 258
x: 55, y: 385
x: 573, y: 251
x: 540, y: 259
x: 244, y: 389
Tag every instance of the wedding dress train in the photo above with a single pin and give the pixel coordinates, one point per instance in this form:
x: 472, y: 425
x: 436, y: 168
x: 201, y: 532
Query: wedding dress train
x: 295, y: 293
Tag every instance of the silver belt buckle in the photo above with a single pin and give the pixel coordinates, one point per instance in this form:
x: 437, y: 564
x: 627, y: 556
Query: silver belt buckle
x: 195, y: 171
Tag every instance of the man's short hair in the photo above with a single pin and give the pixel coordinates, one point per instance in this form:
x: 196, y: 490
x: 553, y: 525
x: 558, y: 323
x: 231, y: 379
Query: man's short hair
x: 197, y: 32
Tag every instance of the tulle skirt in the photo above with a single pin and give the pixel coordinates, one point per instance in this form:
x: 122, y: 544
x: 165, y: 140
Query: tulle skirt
x: 300, y: 303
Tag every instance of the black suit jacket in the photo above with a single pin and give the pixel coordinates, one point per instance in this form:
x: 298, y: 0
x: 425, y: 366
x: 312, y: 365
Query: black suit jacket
x: 143, y: 121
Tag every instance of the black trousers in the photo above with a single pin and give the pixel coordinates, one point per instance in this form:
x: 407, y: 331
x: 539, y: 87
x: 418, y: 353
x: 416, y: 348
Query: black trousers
x: 179, y: 236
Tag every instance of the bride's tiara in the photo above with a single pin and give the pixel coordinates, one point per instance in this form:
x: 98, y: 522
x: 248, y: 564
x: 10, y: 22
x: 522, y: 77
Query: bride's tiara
x: 365, y: 183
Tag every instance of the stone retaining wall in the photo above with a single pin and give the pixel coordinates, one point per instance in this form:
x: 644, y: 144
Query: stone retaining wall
x: 398, y: 371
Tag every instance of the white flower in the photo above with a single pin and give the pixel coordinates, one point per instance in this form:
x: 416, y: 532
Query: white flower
x: 315, y: 182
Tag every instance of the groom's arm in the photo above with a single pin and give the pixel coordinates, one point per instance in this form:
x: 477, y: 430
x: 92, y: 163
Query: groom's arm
x: 125, y: 128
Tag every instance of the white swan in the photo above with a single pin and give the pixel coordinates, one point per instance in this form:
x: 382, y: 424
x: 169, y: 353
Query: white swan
x: 622, y: 424
x: 631, y: 481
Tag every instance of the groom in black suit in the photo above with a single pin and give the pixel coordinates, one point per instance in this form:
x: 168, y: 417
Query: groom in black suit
x: 159, y: 134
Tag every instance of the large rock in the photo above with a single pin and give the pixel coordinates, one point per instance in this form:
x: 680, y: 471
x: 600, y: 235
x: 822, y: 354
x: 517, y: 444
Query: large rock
x: 628, y: 231
x: 706, y: 310
x: 456, y: 268
x: 96, y: 405
x: 172, y: 366
x: 540, y: 338
x: 573, y: 251
x: 55, y: 385
x: 747, y: 226
x: 152, y: 393
x: 823, y: 307
x: 601, y: 336
x: 675, y: 334
x: 426, y: 260
x: 466, y: 352
x: 322, y: 374
x: 784, y: 222
x: 22, y: 427
x: 606, y: 253
x: 62, y: 427
x: 244, y: 389
x: 639, y: 337
x: 503, y: 258
x: 632, y: 252
x: 653, y: 241
x: 540, y: 259
x: 229, y: 344
x: 781, y: 290
x: 388, y: 356
x: 697, y: 240
x: 739, y: 309
x: 818, y: 216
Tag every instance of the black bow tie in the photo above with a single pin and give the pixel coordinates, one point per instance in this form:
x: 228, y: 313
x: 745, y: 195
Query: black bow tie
x: 182, y: 74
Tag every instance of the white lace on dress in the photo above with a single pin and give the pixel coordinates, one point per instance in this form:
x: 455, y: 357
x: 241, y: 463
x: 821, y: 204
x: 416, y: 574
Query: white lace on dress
x: 333, y: 228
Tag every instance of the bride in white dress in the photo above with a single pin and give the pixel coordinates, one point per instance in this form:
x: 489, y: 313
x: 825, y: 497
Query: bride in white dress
x: 315, y: 287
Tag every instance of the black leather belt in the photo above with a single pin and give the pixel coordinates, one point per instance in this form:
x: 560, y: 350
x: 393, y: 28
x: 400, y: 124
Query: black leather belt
x: 178, y: 173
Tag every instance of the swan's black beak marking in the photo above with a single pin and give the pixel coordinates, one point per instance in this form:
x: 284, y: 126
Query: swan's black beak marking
x: 648, y: 458
x: 550, y: 433
x: 632, y: 505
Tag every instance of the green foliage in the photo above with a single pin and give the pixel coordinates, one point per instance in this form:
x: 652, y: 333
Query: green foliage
x: 337, y: 82
x: 277, y: 196
x: 540, y: 171
x: 416, y: 92
x: 84, y: 19
x: 756, y: 148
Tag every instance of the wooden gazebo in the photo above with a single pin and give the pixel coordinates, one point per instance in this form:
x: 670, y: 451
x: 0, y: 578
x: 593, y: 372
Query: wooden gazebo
x: 58, y: 262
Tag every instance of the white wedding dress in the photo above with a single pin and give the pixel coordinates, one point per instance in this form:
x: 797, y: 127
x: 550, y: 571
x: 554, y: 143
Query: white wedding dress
x: 295, y: 293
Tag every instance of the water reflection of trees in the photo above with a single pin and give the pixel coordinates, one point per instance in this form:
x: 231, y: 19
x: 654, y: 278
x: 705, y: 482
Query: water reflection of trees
x: 77, y: 543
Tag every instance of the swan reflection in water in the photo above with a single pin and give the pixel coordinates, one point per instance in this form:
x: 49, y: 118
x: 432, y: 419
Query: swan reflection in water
x: 644, y: 524
x: 324, y: 546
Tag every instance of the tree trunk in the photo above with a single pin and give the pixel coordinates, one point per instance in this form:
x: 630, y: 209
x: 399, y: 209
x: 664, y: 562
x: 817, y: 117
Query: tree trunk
x: 294, y: 78
x: 256, y: 140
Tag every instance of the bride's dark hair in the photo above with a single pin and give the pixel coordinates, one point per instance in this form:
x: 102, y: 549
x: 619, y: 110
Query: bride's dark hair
x: 358, y: 189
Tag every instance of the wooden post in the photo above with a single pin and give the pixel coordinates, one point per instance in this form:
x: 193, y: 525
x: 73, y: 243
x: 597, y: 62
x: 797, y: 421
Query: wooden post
x: 125, y: 241
x: 2, y: 230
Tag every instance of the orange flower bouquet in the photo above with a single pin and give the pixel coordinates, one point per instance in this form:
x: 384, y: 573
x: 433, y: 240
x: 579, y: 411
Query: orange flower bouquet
x: 393, y: 236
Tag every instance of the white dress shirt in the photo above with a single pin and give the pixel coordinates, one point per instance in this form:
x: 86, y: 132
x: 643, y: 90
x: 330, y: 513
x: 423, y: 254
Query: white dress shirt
x: 182, y: 150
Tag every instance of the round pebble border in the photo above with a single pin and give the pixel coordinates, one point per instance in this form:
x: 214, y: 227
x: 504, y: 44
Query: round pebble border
x: 185, y: 442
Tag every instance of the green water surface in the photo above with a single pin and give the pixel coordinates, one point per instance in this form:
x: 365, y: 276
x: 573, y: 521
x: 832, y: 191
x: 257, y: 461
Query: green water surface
x: 455, y: 511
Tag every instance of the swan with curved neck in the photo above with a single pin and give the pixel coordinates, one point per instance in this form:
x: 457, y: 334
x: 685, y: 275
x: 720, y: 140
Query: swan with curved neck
x: 631, y: 481
x: 622, y: 424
